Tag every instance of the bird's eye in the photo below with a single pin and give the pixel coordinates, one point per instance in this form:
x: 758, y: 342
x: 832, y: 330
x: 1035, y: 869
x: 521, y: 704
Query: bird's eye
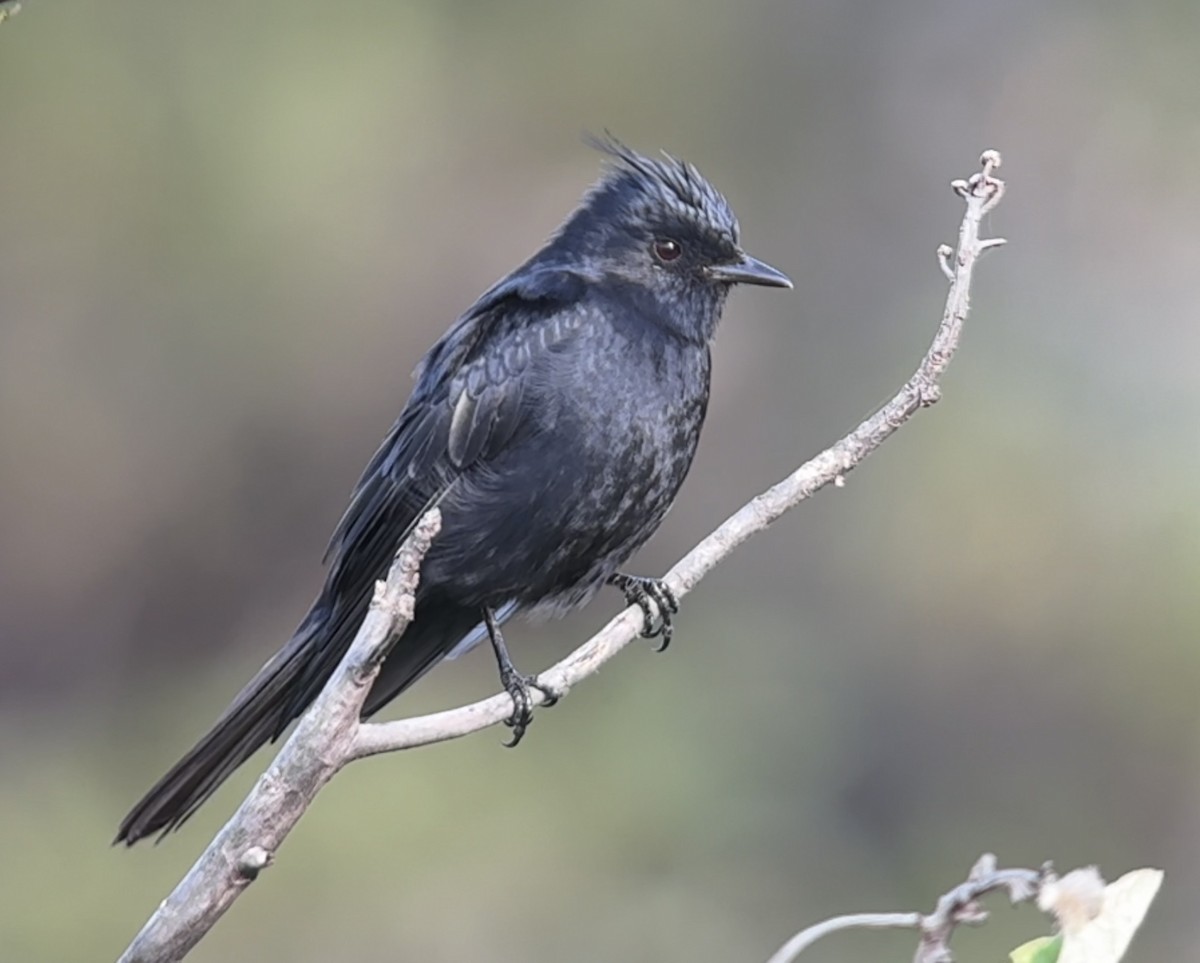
x: 666, y: 249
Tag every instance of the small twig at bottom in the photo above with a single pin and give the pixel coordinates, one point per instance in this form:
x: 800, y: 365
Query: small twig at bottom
x: 959, y: 906
x: 854, y: 921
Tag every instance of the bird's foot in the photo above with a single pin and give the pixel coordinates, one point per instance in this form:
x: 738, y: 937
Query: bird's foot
x: 519, y: 687
x: 642, y: 591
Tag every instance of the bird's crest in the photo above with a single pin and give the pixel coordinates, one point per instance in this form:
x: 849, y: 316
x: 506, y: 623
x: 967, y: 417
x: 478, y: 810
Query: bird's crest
x: 668, y: 181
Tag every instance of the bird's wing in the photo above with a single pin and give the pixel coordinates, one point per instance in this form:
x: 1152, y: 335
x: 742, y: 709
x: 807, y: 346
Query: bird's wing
x: 466, y: 405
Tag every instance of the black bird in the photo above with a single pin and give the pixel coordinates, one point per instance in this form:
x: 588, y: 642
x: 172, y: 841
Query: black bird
x: 553, y: 424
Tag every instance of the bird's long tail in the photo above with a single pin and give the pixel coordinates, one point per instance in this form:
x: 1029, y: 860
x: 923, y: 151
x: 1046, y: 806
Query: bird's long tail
x: 281, y: 690
x: 251, y: 720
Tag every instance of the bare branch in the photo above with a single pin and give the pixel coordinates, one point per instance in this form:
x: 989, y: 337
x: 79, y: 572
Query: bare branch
x: 960, y: 906
x: 330, y: 733
x: 981, y: 193
x: 318, y: 748
x: 855, y: 921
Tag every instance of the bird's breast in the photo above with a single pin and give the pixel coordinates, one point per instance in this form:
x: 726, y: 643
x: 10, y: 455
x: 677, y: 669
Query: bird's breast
x: 636, y: 408
x: 610, y: 427
x: 622, y: 444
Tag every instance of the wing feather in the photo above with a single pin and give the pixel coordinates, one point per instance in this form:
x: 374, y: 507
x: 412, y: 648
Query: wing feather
x: 466, y: 405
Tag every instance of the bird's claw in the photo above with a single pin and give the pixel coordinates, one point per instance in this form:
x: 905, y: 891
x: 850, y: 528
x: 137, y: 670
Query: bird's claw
x: 642, y: 591
x: 519, y: 688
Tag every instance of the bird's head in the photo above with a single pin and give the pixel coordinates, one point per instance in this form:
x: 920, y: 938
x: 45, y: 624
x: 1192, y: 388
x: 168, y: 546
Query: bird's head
x: 661, y: 227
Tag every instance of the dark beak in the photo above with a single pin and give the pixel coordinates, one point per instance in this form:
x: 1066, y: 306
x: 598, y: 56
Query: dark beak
x: 749, y: 270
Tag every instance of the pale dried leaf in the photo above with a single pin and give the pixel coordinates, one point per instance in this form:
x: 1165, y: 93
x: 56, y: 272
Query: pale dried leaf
x: 1106, y: 938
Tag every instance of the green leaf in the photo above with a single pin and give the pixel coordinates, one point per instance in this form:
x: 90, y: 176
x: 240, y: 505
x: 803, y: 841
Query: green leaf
x: 1044, y: 949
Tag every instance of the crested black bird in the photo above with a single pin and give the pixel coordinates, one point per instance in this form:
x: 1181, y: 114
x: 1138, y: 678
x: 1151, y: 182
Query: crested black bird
x: 553, y: 423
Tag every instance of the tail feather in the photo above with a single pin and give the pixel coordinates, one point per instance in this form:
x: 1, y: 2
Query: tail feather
x: 281, y: 690
x: 254, y: 717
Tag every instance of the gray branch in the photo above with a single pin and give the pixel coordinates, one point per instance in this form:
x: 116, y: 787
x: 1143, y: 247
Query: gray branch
x: 330, y: 733
x: 959, y: 907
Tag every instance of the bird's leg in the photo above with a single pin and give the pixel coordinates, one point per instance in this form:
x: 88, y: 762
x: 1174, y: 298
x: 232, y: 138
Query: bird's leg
x: 515, y: 684
x: 641, y: 591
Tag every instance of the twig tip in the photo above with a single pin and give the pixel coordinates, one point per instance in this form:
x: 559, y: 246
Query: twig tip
x: 944, y: 253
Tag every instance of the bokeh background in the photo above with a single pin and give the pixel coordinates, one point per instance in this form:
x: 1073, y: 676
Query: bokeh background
x: 228, y: 232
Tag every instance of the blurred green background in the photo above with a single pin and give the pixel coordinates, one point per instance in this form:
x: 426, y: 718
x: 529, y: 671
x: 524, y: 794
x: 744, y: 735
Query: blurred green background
x: 230, y: 230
